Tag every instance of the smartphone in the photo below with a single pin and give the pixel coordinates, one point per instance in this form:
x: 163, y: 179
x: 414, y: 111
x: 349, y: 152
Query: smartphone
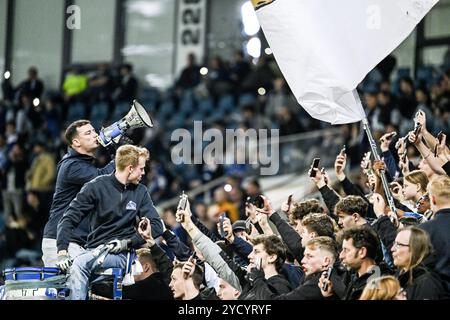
x: 403, y: 157
x: 440, y: 136
x: 259, y: 202
x: 182, y: 204
x: 327, y: 277
x: 417, y: 129
x: 222, y: 232
x: 289, y: 201
x: 315, y: 164
x: 144, y: 224
x: 343, y: 150
x: 258, y: 263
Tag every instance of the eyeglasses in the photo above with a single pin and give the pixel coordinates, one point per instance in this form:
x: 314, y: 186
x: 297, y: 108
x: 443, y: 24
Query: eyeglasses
x: 398, y: 244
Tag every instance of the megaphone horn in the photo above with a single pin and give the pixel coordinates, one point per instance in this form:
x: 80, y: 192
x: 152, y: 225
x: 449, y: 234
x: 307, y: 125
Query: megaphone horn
x: 137, y: 117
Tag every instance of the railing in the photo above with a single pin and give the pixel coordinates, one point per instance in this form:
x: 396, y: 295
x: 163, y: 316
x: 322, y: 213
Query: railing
x: 296, y: 153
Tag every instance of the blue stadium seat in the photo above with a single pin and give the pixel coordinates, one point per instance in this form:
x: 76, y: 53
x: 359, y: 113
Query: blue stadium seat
x: 206, y: 106
x: 226, y: 104
x: 425, y: 75
x: 187, y: 104
x: 99, y: 114
x: 75, y: 112
x: 120, y: 110
x: 166, y: 109
x: 246, y: 99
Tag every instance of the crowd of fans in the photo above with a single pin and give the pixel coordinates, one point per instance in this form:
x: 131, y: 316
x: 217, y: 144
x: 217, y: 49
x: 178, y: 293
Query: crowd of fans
x: 350, y: 245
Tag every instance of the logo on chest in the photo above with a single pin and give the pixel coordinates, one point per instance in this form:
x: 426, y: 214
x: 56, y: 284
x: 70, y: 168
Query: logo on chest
x: 131, y: 205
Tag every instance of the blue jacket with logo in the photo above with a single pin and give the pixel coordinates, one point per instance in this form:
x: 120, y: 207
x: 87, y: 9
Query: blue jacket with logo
x: 74, y: 170
x: 111, y: 209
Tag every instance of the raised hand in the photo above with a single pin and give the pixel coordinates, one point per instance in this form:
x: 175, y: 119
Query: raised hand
x: 339, y: 166
x: 386, y: 140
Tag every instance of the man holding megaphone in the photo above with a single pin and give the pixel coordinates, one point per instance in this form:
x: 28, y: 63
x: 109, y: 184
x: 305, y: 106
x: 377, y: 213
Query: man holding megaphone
x: 76, y: 168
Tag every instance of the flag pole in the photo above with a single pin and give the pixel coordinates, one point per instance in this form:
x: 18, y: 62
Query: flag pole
x: 373, y: 147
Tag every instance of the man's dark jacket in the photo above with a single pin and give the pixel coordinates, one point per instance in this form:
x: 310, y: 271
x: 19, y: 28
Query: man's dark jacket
x: 74, y: 170
x: 439, y: 231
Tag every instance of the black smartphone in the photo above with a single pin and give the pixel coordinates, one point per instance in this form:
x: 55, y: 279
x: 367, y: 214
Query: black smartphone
x: 327, y: 277
x: 144, y: 224
x: 289, y: 201
x: 440, y: 136
x: 259, y: 202
x: 417, y: 129
x: 222, y: 232
x: 315, y: 164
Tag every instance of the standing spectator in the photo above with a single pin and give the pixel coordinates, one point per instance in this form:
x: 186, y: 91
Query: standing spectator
x: 75, y: 83
x: 190, y: 75
x: 73, y: 171
x: 320, y: 253
x: 127, y: 88
x: 239, y: 70
x: 414, y: 186
x: 32, y: 86
x: 40, y: 176
x: 406, y: 99
x: 411, y: 246
x: 186, y: 280
x: 438, y: 228
x: 42, y: 172
x: 359, y: 252
x: 13, y: 184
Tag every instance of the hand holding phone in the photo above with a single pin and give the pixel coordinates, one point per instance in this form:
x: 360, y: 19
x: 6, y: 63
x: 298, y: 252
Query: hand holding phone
x: 342, y: 152
x: 327, y: 277
x: 222, y: 232
x: 440, y: 136
x: 258, y: 263
x: 289, y: 201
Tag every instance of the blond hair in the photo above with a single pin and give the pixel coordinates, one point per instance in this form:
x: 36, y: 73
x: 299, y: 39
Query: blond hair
x: 323, y: 243
x: 129, y: 155
x: 382, y: 288
x: 440, y: 188
x: 418, y: 177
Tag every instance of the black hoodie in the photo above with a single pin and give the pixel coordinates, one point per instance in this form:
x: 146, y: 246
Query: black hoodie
x: 111, y: 208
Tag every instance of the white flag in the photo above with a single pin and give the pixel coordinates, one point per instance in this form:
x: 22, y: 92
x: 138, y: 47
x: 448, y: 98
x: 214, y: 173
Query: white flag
x: 325, y: 48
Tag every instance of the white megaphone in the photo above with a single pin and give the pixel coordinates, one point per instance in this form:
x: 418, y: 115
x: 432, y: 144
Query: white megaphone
x: 137, y: 117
